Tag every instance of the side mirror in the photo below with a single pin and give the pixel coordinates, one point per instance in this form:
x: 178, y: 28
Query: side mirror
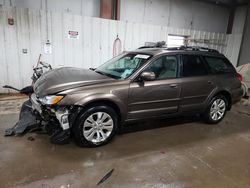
x: 147, y: 76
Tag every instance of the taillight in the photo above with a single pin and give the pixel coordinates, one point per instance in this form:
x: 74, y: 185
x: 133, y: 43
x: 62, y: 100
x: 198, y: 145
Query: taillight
x: 239, y: 77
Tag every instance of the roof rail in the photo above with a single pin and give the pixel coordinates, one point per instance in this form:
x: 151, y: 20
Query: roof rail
x: 194, y: 48
x: 161, y: 44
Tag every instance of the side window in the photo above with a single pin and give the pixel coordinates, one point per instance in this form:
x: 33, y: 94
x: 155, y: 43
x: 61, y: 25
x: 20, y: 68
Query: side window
x: 165, y: 67
x: 193, y: 66
x: 219, y: 65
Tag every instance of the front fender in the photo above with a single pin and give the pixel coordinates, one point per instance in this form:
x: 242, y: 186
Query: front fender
x: 101, y: 97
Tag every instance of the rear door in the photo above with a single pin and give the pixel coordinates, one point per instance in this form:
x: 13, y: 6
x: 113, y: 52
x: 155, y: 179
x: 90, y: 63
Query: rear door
x: 197, y: 83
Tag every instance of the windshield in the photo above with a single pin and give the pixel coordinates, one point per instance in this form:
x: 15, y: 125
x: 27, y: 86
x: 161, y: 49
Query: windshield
x: 123, y: 66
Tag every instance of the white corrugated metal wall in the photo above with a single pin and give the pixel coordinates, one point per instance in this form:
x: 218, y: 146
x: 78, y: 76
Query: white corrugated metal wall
x: 32, y: 28
x: 235, y: 39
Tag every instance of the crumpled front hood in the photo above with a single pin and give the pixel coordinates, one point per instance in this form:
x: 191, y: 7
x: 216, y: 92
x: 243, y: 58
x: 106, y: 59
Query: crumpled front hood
x: 65, y: 78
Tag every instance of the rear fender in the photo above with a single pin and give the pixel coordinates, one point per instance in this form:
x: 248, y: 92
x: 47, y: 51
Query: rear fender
x: 215, y: 92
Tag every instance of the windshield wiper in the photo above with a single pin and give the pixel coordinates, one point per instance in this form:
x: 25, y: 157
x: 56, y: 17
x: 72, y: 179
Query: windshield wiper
x: 99, y: 72
x: 92, y: 69
x: 107, y: 74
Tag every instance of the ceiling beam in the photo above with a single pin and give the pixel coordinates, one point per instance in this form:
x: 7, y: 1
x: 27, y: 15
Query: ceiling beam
x: 214, y: 2
x: 228, y: 5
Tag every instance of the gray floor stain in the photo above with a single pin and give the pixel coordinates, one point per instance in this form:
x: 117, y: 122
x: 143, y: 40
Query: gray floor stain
x: 159, y: 154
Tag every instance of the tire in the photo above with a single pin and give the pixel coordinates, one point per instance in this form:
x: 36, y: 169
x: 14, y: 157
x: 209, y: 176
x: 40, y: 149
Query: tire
x: 99, y: 120
x: 219, y: 106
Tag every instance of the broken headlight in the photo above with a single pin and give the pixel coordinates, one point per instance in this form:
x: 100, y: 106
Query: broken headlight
x: 50, y: 99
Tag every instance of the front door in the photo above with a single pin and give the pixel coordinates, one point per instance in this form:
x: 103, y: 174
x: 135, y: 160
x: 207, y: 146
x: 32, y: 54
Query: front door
x: 160, y: 96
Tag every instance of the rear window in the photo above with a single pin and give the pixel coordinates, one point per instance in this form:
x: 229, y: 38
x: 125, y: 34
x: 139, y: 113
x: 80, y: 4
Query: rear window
x: 219, y: 65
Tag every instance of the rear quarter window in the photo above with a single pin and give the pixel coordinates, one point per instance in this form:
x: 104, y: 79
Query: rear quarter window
x: 219, y: 65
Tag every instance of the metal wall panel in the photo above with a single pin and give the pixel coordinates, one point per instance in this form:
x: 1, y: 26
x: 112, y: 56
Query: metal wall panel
x: 244, y: 57
x: 198, y: 15
x: 33, y: 28
x: 233, y: 48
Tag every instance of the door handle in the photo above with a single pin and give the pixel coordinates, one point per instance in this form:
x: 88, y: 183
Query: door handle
x: 174, y: 86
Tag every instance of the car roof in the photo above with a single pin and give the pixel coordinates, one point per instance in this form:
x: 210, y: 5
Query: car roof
x: 159, y: 51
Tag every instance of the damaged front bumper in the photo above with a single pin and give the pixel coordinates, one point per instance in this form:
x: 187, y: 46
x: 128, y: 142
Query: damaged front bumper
x: 27, y: 120
x: 35, y: 116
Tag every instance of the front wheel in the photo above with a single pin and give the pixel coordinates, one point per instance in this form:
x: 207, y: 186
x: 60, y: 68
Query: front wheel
x: 216, y: 110
x: 96, y: 126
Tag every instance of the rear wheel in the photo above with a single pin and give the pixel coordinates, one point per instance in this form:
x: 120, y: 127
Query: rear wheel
x: 216, y: 110
x: 96, y: 126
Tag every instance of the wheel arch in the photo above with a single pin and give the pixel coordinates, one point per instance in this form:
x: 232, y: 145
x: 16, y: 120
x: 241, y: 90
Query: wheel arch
x: 82, y: 109
x: 228, y: 97
x: 226, y: 94
x: 109, y: 100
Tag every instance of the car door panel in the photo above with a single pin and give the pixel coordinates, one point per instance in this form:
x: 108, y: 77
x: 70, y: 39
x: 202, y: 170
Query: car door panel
x: 195, y: 91
x: 153, y: 98
x: 196, y: 88
x: 160, y: 96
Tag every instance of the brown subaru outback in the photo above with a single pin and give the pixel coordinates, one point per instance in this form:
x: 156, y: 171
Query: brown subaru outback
x: 145, y: 83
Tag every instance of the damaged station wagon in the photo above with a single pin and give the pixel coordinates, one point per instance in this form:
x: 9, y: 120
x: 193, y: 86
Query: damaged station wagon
x: 146, y: 83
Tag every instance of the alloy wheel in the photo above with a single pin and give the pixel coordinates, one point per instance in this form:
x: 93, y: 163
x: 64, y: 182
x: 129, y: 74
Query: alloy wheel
x: 98, y: 127
x: 217, y: 109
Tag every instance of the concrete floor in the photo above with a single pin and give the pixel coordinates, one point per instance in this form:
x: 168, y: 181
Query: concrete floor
x: 160, y: 154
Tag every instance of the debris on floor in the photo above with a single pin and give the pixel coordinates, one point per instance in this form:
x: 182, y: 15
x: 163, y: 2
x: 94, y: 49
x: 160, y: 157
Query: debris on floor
x: 65, y: 186
x: 30, y: 138
x: 162, y: 152
x: 88, y: 164
x: 106, y: 177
